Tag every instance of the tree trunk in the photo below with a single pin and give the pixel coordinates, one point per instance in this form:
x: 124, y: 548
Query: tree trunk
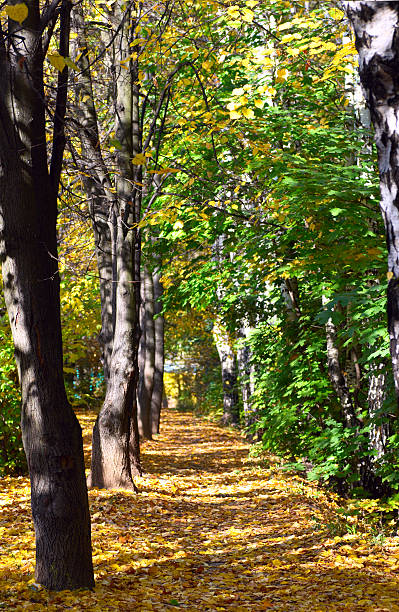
x: 229, y: 373
x: 380, y: 426
x: 114, y: 431
x: 375, y: 25
x: 157, y: 391
x: 246, y: 373
x: 336, y: 376
x: 165, y: 403
x: 290, y: 293
x: 28, y: 249
x: 98, y: 187
x: 146, y: 381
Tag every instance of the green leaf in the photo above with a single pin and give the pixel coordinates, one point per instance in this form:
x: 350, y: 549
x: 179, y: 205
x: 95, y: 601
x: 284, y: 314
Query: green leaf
x: 336, y: 211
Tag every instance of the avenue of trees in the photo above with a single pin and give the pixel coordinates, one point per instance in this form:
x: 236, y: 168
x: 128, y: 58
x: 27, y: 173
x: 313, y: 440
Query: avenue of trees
x: 196, y: 183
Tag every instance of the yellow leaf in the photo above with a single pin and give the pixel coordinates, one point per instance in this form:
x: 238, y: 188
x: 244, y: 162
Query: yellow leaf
x: 265, y: 605
x: 251, y: 3
x: 70, y: 63
x: 330, y: 46
x: 234, y: 114
x: 139, y: 159
x: 166, y: 170
x: 57, y: 61
x: 233, y: 11
x: 137, y: 41
x: 284, y: 26
x: 389, y: 275
x: 336, y: 14
x: 248, y: 113
x: 17, y: 12
x: 281, y: 75
x: 247, y: 15
x: 259, y: 103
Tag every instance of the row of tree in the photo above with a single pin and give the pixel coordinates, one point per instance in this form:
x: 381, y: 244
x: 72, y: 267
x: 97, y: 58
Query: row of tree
x: 221, y: 152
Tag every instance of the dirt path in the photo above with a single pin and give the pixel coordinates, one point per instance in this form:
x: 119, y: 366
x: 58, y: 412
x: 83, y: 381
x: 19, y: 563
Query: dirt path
x: 210, y: 530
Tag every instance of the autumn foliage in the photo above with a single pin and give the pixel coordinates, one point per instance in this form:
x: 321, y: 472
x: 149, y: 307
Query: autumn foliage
x: 211, y: 529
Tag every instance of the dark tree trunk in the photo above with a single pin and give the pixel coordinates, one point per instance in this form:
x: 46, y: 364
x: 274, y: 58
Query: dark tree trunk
x: 229, y: 373
x: 114, y: 434
x: 290, y: 293
x: 28, y: 249
x: 337, y: 378
x: 111, y: 464
x: 165, y: 403
x: 146, y: 381
x: 99, y: 189
x: 376, y: 29
x: 157, y: 391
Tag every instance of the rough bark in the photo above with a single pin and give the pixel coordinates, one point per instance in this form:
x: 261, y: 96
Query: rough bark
x: 111, y: 465
x: 98, y: 187
x: 376, y: 29
x: 229, y: 373
x: 146, y: 381
x: 365, y: 464
x: 28, y: 250
x: 157, y: 391
x: 290, y: 293
x: 337, y: 378
x: 165, y: 403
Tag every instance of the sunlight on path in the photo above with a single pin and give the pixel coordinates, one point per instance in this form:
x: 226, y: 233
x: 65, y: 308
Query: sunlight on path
x: 210, y: 530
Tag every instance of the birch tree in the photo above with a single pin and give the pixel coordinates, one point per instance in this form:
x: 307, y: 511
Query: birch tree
x: 375, y: 26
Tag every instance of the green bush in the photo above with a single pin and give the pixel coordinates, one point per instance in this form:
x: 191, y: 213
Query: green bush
x: 299, y: 415
x: 12, y: 456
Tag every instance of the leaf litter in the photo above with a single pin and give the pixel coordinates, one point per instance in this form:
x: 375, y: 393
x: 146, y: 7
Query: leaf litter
x: 211, y: 529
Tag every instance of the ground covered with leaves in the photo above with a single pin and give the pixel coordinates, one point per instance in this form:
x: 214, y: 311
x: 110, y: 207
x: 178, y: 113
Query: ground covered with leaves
x: 211, y: 529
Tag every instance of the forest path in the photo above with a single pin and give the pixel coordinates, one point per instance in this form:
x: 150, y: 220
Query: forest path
x: 211, y: 529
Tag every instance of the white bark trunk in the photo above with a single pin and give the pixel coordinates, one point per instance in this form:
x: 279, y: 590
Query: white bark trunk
x: 375, y: 25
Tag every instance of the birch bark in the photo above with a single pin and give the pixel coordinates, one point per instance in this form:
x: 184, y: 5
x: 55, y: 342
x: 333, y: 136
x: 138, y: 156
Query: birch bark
x: 375, y: 25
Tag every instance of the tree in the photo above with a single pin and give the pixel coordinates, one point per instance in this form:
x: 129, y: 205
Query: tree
x: 28, y: 207
x: 228, y: 368
x: 159, y: 326
x: 285, y: 191
x: 114, y: 185
x: 375, y: 26
x: 114, y: 209
x: 115, y: 428
x: 147, y: 354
